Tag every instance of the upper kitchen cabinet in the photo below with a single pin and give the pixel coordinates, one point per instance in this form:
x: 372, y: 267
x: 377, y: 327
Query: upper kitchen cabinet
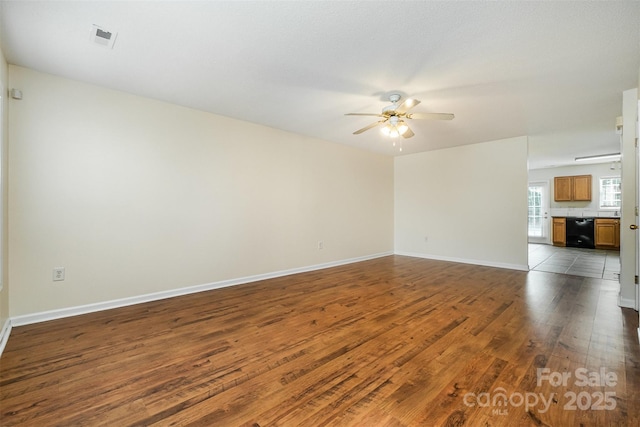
x: 563, y: 188
x: 572, y: 188
x: 582, y: 188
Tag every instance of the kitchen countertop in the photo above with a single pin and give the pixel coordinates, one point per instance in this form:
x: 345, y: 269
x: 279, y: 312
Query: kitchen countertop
x: 584, y: 213
x: 585, y: 217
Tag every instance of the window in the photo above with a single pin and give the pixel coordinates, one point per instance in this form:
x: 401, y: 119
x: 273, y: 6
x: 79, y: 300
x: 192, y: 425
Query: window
x: 611, y: 192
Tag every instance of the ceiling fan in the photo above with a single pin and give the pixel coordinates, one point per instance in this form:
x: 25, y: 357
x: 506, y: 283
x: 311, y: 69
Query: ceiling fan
x: 393, y: 117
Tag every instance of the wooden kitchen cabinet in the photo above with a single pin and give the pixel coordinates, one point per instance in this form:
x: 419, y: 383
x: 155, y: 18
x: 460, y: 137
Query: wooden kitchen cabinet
x: 559, y: 232
x: 607, y: 233
x: 563, y: 189
x: 582, y: 188
x: 572, y: 188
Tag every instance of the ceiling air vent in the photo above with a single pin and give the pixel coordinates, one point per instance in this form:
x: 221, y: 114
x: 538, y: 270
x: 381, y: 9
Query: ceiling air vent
x: 102, y: 37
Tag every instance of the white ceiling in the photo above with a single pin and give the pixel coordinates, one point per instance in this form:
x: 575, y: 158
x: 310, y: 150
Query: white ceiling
x: 554, y: 71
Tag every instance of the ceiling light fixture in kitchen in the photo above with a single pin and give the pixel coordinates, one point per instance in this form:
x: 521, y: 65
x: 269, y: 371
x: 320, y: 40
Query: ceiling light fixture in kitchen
x: 599, y: 157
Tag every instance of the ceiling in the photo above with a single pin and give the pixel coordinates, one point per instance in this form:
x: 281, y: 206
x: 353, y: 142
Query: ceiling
x: 554, y: 71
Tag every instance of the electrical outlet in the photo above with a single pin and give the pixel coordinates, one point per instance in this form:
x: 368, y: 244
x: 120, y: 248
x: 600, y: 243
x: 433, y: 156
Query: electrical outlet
x: 58, y: 274
x: 320, y: 245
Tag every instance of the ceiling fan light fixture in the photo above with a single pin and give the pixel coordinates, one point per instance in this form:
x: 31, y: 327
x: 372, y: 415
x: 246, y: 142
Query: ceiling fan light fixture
x: 392, y: 131
x: 402, y: 127
x: 394, y: 127
x: 390, y: 120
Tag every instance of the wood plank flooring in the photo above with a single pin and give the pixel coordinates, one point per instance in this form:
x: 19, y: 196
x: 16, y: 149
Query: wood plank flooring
x: 395, y: 341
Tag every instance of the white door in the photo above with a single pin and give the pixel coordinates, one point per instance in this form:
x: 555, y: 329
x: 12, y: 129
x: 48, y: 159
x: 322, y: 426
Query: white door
x: 637, y: 130
x: 538, y: 217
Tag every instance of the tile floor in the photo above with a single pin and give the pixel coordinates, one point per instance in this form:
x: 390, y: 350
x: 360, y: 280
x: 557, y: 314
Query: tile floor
x: 604, y: 264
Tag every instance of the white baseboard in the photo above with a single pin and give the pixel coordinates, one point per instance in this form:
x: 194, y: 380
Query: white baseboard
x: 28, y: 319
x: 626, y: 302
x: 4, y: 335
x: 467, y: 261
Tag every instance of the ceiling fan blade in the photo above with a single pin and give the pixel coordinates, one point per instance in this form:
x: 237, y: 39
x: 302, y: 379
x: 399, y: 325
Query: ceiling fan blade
x: 408, y: 134
x: 432, y: 116
x: 406, y: 105
x: 365, y: 114
x: 366, y: 128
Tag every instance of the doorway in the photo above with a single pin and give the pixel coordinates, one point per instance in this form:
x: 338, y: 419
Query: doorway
x: 538, y: 213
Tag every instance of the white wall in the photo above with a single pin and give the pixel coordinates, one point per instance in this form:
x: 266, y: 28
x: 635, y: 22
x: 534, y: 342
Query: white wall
x: 134, y: 196
x: 4, y: 291
x: 627, y: 297
x: 470, y: 203
x: 597, y: 171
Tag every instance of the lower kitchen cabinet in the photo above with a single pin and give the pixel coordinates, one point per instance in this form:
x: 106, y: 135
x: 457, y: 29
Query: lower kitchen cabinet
x: 559, y: 232
x: 607, y: 233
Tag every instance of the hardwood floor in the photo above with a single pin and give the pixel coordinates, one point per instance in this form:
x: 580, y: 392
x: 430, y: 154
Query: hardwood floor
x: 395, y: 341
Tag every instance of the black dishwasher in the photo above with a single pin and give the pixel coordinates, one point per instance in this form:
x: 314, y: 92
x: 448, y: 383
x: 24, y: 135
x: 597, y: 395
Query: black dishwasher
x: 580, y: 232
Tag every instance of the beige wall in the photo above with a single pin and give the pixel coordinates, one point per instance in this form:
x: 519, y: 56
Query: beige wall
x: 466, y: 204
x: 134, y: 196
